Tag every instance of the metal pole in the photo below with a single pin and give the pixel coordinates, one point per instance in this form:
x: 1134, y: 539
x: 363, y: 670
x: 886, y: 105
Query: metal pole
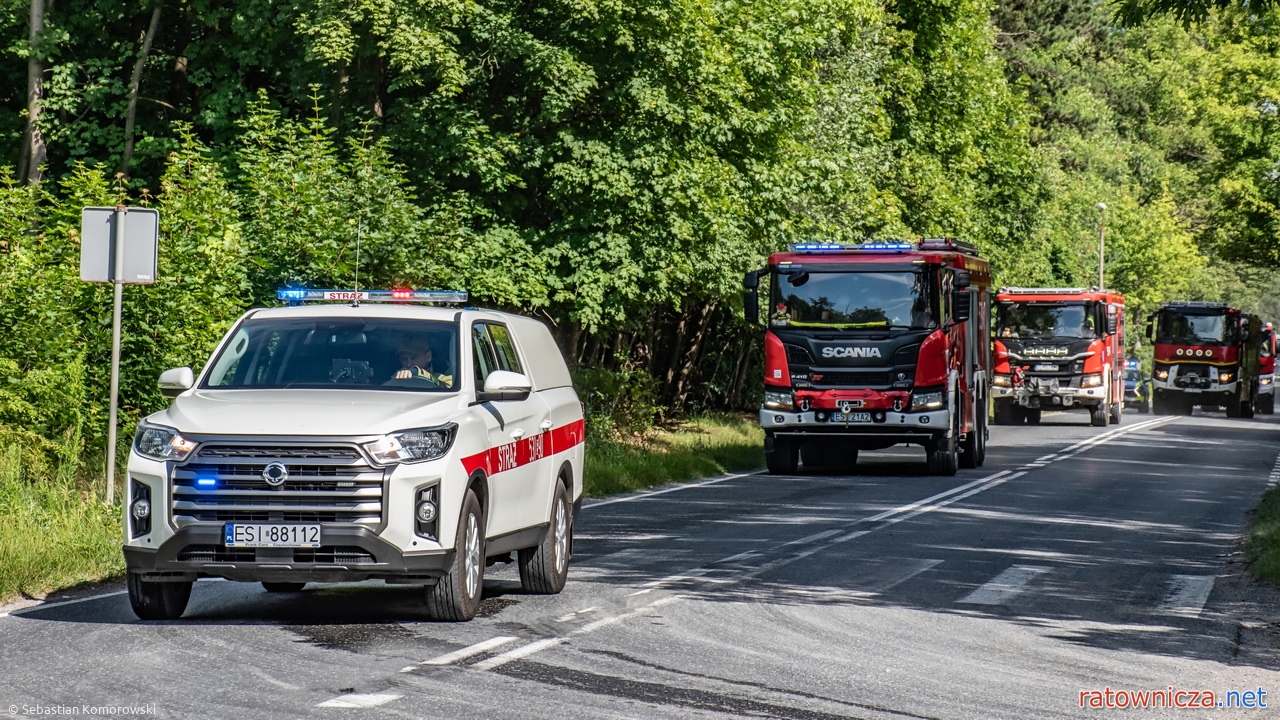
x: 1102, y: 241
x: 117, y: 277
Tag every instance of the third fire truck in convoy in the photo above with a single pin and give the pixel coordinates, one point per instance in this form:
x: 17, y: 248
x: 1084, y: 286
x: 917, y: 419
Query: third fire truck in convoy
x: 1058, y: 348
x: 1267, y: 370
x: 868, y: 346
x: 1206, y: 354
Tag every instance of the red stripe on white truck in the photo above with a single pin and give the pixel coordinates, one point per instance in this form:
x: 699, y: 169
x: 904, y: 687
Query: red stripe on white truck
x: 525, y: 450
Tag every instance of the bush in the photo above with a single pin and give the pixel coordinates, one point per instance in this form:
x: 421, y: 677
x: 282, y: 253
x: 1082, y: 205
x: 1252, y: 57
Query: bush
x: 618, y: 402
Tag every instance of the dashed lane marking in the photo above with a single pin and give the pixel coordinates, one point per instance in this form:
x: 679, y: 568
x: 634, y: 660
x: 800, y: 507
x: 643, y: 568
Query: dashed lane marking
x: 359, y: 701
x: 1187, y: 595
x: 466, y: 652
x: 1005, y: 586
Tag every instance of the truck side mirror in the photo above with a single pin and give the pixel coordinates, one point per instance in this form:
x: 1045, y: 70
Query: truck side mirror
x: 960, y: 279
x: 751, y: 298
x: 1151, y: 327
x: 1112, y: 324
x: 961, y: 305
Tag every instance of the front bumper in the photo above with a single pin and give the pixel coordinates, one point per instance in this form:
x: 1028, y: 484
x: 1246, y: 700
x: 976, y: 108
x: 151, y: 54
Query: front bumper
x: 1050, y: 395
x: 910, y: 426
x: 349, y: 554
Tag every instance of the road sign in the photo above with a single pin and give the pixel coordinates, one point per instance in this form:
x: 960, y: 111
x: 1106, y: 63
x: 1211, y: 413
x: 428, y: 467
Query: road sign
x: 119, y: 246
x: 98, y: 233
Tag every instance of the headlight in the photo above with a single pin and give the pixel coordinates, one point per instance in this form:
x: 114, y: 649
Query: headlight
x: 410, y: 446
x: 162, y: 443
x: 931, y: 400
x: 1093, y: 380
x: 1162, y: 374
x: 1265, y: 381
x: 1001, y: 380
x: 1225, y: 377
x: 778, y: 400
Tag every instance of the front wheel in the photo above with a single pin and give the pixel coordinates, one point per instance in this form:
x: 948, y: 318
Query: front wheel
x: 456, y: 596
x: 157, y: 600
x: 1117, y: 412
x: 781, y: 455
x: 974, y: 451
x: 544, y: 568
x: 1098, y: 415
x: 1267, y: 406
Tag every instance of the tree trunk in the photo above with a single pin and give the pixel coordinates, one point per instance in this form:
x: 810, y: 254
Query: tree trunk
x: 134, y: 83
x: 681, y: 392
x: 33, y: 147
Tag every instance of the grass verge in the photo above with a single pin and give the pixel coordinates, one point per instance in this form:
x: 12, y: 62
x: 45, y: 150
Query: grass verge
x: 1264, y: 540
x: 699, y: 447
x: 54, y: 533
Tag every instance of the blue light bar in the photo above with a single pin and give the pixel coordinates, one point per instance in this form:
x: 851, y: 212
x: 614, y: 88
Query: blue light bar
x: 1131, y: 362
x: 294, y: 296
x: 206, y: 481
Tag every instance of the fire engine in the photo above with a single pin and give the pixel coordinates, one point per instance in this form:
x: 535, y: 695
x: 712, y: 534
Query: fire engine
x: 1206, y: 354
x: 1267, y: 370
x: 872, y: 345
x: 1058, y: 348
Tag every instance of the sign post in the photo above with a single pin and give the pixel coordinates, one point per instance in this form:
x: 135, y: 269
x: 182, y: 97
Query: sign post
x: 118, y: 245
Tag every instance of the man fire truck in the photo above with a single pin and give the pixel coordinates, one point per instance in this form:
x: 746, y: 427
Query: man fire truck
x: 1267, y: 370
x: 1206, y: 354
x: 868, y: 346
x: 1058, y: 348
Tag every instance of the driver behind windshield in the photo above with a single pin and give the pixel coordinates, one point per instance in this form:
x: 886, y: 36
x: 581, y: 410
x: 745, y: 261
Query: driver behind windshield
x: 414, y: 355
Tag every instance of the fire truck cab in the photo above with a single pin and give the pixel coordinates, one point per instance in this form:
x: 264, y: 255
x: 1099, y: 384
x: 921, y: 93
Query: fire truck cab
x: 1206, y: 354
x: 869, y: 346
x: 1058, y: 348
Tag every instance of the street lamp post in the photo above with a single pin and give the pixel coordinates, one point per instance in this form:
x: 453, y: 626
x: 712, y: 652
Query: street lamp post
x: 1102, y: 240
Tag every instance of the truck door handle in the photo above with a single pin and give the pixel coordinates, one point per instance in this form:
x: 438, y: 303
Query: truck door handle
x: 546, y: 425
x: 517, y: 433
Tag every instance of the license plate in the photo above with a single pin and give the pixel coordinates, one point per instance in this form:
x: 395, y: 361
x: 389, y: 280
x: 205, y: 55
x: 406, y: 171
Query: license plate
x: 1044, y: 368
x: 851, y: 417
x: 271, y: 535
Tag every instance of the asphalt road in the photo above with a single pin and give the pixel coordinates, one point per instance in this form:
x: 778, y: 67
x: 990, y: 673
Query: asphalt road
x: 1078, y: 559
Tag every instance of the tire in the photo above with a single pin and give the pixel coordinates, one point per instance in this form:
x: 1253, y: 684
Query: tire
x: 1117, y: 412
x: 781, y: 455
x: 1246, y: 409
x: 456, y: 596
x: 1161, y: 406
x: 974, y: 451
x: 1098, y: 415
x: 1267, y: 406
x: 942, y: 456
x: 283, y: 587
x: 544, y: 568
x: 157, y: 600
x: 1032, y: 415
x: 1004, y: 413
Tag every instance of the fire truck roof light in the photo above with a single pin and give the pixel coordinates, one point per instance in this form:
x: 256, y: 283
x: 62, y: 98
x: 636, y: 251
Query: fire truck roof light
x: 296, y: 296
x: 863, y: 247
x: 1131, y: 362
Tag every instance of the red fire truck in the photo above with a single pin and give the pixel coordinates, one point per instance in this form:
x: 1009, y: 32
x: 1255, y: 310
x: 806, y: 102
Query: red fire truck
x: 1267, y: 370
x: 1206, y: 354
x: 1058, y: 348
x: 869, y: 346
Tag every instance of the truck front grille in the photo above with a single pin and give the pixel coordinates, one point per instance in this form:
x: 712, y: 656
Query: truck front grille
x: 852, y: 379
x: 325, y: 555
x: 224, y: 483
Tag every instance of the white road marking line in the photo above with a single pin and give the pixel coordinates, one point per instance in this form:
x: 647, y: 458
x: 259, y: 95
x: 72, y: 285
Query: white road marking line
x: 1004, y: 586
x: 921, y: 566
x: 739, y: 556
x: 572, y: 615
x: 466, y: 652
x: 540, y: 645
x: 50, y: 606
x: 641, y: 592
x: 1275, y: 472
x: 1187, y: 595
x: 641, y: 496
x: 359, y: 701
x: 811, y: 538
x: 1047, y: 458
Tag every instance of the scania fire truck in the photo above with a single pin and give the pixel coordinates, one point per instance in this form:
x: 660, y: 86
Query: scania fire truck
x: 869, y: 346
x: 1058, y: 348
x: 1206, y: 354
